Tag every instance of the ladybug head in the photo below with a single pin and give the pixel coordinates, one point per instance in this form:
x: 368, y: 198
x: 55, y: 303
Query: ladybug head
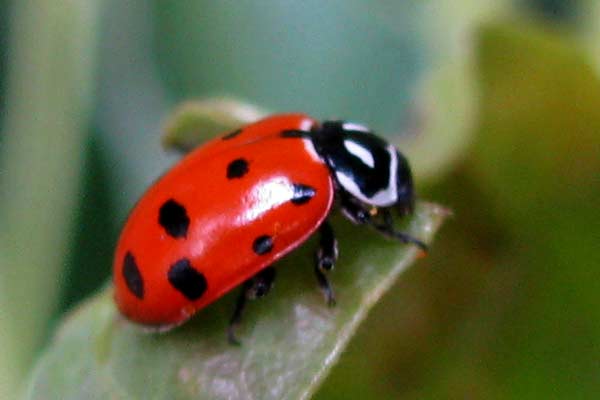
x: 365, y: 167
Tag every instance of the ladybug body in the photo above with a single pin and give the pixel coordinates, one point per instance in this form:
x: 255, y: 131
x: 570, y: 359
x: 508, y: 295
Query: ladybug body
x: 232, y: 207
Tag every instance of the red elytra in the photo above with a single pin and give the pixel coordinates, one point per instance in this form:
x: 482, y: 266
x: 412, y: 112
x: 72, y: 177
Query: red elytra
x: 222, y: 214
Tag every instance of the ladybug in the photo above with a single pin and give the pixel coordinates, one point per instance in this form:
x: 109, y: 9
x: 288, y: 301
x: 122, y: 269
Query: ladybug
x: 231, y: 208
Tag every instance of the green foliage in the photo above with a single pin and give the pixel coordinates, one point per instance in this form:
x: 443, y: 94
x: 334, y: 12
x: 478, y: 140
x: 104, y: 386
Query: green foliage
x: 196, y: 121
x: 537, y: 163
x: 506, y: 133
x: 290, y: 339
x: 44, y: 127
x: 507, y: 306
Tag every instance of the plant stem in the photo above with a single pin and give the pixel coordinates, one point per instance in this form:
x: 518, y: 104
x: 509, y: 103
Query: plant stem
x: 48, y: 104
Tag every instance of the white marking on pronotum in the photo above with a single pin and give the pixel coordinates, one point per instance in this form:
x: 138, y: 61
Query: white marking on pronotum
x: 306, y: 125
x: 359, y: 151
x: 352, y: 126
x: 383, y: 198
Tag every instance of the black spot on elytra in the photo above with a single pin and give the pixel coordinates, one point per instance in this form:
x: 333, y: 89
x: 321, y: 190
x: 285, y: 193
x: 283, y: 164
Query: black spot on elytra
x: 237, y: 168
x: 132, y: 276
x: 295, y: 134
x: 262, y: 244
x: 187, y: 280
x: 173, y: 217
x: 232, y: 135
x: 302, y: 193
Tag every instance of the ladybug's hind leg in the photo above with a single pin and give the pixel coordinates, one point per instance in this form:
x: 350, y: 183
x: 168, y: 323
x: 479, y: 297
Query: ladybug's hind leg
x: 256, y: 287
x: 325, y: 259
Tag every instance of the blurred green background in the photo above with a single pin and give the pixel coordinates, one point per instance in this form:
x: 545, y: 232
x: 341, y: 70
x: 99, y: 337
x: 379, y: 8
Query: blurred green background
x: 496, y: 102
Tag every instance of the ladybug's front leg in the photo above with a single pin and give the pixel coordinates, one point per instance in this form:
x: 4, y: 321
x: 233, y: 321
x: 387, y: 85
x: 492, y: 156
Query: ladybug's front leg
x: 353, y: 211
x: 256, y: 287
x: 357, y: 214
x: 387, y: 228
x: 326, y: 257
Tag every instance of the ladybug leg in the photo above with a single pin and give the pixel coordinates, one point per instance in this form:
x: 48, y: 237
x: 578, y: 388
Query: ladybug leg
x: 256, y: 287
x: 359, y: 215
x: 326, y: 257
x: 387, y: 228
x: 354, y: 212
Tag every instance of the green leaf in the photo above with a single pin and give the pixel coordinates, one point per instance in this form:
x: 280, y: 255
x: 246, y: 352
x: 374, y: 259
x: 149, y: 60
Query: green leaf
x: 290, y: 340
x: 196, y: 121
